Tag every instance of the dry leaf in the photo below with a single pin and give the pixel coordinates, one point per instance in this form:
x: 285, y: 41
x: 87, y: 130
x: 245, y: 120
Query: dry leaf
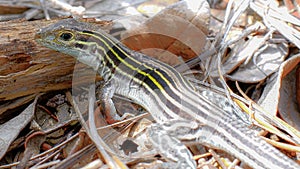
x: 32, y: 148
x: 11, y: 129
x: 261, y: 64
x: 179, y: 30
x: 280, y: 94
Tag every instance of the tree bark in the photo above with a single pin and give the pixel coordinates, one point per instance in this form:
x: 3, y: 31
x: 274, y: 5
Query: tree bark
x: 28, y: 68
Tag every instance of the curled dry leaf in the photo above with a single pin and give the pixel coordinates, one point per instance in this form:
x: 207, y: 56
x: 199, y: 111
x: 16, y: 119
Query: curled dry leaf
x: 288, y: 107
x: 262, y: 63
x: 280, y: 95
x: 32, y: 147
x: 179, y: 30
x: 11, y: 129
x: 254, y: 60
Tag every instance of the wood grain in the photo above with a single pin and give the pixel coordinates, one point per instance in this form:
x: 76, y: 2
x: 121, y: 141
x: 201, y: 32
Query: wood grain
x: 28, y: 68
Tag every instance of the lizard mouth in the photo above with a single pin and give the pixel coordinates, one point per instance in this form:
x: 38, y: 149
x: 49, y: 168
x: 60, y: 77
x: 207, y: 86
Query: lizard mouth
x: 44, y: 43
x: 40, y: 39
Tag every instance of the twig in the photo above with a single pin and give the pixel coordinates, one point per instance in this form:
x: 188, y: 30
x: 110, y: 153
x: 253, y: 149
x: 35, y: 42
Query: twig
x: 76, y: 11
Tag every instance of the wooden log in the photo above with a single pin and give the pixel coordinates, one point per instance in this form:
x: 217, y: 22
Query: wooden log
x: 28, y: 68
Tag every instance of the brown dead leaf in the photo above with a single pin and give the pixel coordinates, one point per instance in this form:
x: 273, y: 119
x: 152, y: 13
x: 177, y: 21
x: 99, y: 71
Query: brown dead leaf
x: 32, y: 147
x: 254, y: 60
x: 178, y: 30
x: 261, y: 63
x: 280, y: 95
x: 11, y: 129
x: 288, y: 107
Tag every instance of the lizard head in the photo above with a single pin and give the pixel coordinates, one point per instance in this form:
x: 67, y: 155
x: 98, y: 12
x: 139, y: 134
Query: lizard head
x: 84, y: 41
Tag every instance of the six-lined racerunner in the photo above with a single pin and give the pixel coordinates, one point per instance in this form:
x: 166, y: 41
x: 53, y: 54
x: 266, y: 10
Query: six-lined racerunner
x: 180, y: 112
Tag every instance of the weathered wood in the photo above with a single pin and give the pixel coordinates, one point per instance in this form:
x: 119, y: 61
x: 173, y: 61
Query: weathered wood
x: 28, y: 68
x: 6, y: 9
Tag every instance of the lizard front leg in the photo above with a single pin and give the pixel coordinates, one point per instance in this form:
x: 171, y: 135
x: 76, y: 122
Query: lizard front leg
x: 105, y: 93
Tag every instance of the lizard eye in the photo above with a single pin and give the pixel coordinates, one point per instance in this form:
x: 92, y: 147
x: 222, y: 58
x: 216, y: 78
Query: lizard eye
x: 66, y: 36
